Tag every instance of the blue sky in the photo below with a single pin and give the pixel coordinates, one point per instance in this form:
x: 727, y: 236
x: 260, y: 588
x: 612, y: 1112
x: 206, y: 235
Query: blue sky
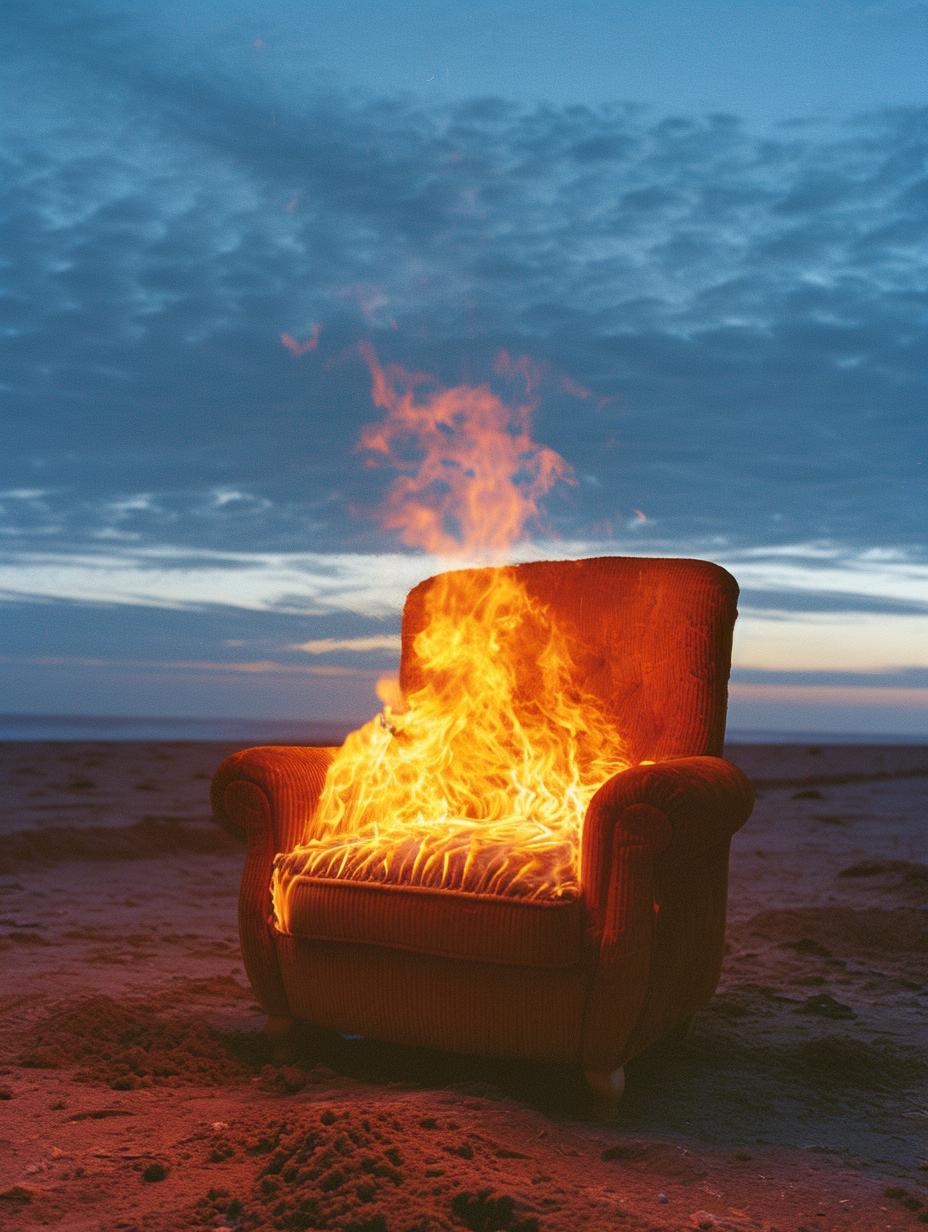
x: 710, y: 216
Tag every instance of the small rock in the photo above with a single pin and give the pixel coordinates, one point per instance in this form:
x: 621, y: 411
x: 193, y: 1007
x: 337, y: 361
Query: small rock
x: 20, y: 1193
x: 286, y: 1080
x: 875, y: 868
x: 320, y: 1073
x: 155, y: 1172
x: 825, y: 1006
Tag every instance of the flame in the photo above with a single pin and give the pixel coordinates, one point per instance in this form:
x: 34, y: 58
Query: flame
x: 472, y: 475
x: 300, y: 348
x: 477, y: 780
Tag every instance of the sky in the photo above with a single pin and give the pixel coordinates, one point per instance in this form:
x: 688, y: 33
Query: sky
x: 702, y: 223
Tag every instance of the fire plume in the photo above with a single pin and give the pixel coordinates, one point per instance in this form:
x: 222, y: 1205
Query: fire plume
x: 301, y: 348
x: 471, y: 475
x: 478, y: 778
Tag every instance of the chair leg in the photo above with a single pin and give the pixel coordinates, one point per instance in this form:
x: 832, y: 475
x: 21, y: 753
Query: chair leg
x: 606, y: 1090
x: 279, y: 1032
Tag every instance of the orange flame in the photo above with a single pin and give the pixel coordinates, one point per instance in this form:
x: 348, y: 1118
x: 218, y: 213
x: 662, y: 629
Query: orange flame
x: 472, y: 473
x: 479, y: 779
x: 300, y: 348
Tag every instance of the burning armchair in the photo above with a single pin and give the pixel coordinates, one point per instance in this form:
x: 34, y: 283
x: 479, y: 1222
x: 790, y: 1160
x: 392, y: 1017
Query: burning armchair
x: 530, y: 859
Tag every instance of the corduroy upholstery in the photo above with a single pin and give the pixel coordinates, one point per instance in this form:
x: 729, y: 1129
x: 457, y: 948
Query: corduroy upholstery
x: 592, y: 981
x: 484, y: 927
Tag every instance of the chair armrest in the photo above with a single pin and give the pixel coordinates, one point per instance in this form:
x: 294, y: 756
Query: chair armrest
x: 705, y: 799
x: 620, y: 846
x: 652, y: 833
x: 272, y: 789
x: 673, y: 811
x: 266, y: 796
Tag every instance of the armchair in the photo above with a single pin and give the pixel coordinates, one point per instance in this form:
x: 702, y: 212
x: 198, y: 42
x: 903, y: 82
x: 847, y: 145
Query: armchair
x: 591, y: 980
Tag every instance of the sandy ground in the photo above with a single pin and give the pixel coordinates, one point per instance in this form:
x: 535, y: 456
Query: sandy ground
x: 134, y: 1092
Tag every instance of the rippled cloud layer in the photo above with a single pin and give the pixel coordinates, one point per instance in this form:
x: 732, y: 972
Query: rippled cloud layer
x: 732, y: 322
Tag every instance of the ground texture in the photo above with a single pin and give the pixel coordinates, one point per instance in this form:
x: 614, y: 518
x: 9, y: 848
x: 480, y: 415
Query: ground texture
x: 136, y: 1093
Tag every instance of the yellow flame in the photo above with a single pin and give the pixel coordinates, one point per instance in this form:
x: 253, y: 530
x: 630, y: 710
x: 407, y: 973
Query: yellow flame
x: 479, y: 779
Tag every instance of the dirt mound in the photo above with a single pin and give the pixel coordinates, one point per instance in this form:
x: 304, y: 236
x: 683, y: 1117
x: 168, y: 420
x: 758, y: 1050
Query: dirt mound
x: 128, y: 1047
x: 842, y: 1062
x: 653, y: 1158
x: 152, y: 836
x: 908, y: 877
x: 386, y: 1170
x: 904, y: 930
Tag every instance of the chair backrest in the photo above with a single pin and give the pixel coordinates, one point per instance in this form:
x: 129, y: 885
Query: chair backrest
x: 651, y: 638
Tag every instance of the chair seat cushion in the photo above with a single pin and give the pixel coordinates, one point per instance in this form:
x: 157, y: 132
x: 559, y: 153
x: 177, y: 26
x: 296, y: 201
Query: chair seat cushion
x: 450, y: 923
x: 507, y: 858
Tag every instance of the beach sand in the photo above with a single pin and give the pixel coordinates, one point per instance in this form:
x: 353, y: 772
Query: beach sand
x: 135, y: 1092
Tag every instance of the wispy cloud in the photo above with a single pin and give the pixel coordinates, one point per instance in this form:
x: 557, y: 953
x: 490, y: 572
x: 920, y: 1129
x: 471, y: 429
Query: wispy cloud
x: 196, y: 253
x: 746, y: 310
x: 847, y: 635
x: 828, y: 568
x: 851, y: 696
x: 359, y: 645
x: 263, y: 667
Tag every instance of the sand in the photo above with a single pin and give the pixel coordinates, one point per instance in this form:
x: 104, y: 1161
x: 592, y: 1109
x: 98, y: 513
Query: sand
x: 135, y: 1091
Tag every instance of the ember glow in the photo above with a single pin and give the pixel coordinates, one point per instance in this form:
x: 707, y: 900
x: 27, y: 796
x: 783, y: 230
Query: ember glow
x: 479, y: 779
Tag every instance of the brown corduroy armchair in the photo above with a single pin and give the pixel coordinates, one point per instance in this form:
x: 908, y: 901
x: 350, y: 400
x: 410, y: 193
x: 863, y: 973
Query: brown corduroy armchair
x: 592, y: 981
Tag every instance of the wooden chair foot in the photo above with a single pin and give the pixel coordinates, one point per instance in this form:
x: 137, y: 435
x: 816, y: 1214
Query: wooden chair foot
x: 605, y: 1090
x: 279, y: 1032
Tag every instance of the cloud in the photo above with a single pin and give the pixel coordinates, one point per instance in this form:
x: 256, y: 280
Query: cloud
x: 747, y: 305
x: 845, y: 641
x: 851, y: 696
x: 263, y: 667
x: 881, y: 576
x: 197, y: 246
x: 856, y: 714
x: 297, y: 583
x: 360, y: 645
x: 878, y: 623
